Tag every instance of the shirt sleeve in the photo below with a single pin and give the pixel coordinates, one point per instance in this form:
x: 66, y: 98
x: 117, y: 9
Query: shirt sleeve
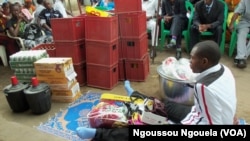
x: 241, y: 8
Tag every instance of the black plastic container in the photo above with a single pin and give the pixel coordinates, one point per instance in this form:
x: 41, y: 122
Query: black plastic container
x: 38, y: 96
x: 15, y: 95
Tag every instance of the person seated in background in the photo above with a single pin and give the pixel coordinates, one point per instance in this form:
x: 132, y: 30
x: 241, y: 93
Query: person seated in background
x: 38, y: 10
x: 58, y: 5
x: 20, y: 26
x: 28, y: 4
x: 174, y: 13
x: 5, y: 15
x: 151, y: 7
x: 231, y: 7
x: 46, y: 15
x: 16, y: 24
x: 208, y: 16
x: 108, y: 4
x: 243, y: 48
x: 215, y: 101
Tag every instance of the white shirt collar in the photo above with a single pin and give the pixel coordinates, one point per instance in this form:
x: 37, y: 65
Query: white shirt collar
x: 208, y: 71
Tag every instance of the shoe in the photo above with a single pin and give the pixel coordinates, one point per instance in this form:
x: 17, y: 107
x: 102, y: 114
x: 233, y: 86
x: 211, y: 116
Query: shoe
x: 236, y: 61
x: 153, y: 54
x: 178, y: 54
x: 242, y: 63
x: 171, y: 44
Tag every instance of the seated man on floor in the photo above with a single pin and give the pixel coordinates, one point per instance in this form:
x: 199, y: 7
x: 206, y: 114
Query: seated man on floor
x: 215, y: 101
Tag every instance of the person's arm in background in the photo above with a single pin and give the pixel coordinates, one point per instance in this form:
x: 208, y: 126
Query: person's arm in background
x: 196, y: 17
x: 43, y: 20
x: 240, y: 9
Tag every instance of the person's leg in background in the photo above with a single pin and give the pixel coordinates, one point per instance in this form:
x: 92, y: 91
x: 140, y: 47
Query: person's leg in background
x: 194, y: 36
x: 151, y: 25
x: 218, y: 34
x: 240, y: 58
x: 177, y: 26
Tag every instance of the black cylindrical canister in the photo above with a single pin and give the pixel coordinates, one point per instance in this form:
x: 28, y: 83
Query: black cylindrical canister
x: 15, y: 95
x: 38, y: 96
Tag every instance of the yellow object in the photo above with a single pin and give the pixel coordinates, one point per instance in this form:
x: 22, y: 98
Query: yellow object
x: 97, y: 12
x: 116, y: 97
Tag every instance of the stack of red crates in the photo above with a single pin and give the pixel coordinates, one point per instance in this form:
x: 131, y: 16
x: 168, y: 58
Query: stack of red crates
x: 133, y: 54
x: 69, y: 41
x: 101, y: 36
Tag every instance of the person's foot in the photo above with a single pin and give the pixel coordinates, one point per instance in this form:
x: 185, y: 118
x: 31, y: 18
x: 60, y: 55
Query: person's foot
x: 171, y: 44
x: 242, y: 63
x: 153, y: 53
x: 236, y: 61
x: 128, y: 88
x: 178, y: 53
x: 85, y: 133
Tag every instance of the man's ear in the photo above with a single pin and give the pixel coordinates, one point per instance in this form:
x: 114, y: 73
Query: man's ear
x: 204, y: 61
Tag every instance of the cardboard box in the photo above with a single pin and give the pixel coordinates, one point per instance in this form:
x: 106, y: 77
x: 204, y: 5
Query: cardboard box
x: 54, y: 67
x: 71, y: 92
x: 57, y: 80
x: 65, y: 99
x: 61, y: 86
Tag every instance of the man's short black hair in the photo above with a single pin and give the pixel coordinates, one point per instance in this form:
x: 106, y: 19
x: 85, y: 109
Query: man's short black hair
x: 209, y: 49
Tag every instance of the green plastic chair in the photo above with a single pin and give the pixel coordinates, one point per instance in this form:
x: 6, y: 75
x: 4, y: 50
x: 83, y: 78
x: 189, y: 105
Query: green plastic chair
x: 233, y: 41
x: 164, y: 32
x: 224, y: 26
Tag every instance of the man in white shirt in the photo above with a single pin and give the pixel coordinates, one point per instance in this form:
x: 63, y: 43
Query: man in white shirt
x: 58, y: 5
x: 214, y: 90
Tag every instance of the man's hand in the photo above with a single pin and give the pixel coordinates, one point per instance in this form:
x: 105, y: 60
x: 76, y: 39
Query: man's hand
x: 168, y: 18
x: 203, y: 27
x: 20, y: 17
x: 231, y: 27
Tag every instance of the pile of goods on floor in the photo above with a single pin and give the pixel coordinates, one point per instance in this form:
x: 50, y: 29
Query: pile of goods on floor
x: 117, y: 111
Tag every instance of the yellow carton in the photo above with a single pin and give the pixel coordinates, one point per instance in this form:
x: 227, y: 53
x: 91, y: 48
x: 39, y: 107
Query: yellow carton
x: 65, y: 98
x: 54, y: 67
x: 71, y: 92
x: 57, y: 80
x: 61, y: 86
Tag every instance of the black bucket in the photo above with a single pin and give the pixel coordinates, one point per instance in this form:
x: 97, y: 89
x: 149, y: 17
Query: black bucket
x: 38, y: 97
x: 15, y: 95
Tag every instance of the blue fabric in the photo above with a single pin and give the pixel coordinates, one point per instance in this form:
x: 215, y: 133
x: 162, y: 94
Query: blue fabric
x: 65, y: 122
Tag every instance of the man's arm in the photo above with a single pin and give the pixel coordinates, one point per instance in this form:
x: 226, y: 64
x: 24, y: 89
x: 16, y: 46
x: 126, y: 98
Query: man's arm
x: 209, y: 105
x: 220, y: 18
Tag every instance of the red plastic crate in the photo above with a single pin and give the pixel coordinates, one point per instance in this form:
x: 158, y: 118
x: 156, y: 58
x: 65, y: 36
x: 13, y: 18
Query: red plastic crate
x: 120, y: 51
x: 121, y: 68
x: 80, y: 70
x: 68, y: 29
x: 135, y: 48
x: 104, y: 77
x: 102, y: 53
x: 76, y: 50
x: 102, y: 29
x: 137, y: 69
x: 128, y: 6
x: 50, y: 48
x: 132, y: 24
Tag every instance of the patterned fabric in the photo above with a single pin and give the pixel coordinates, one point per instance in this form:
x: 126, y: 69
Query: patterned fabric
x: 64, y: 123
